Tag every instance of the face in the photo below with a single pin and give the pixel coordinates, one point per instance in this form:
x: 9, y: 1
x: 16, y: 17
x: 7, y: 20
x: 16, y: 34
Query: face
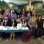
x: 19, y: 10
x: 32, y: 17
x: 13, y: 11
x: 22, y: 16
x: 23, y: 10
x: 8, y: 10
x: 18, y: 16
x: 34, y: 14
x: 28, y: 15
x: 4, y: 8
x: 40, y: 17
x: 12, y: 7
x: 12, y: 20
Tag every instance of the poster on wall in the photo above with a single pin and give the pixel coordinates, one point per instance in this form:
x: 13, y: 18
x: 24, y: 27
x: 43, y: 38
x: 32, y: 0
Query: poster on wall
x: 29, y: 7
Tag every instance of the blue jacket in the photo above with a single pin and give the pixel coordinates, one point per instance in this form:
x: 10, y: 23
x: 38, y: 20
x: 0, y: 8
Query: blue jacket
x: 13, y: 15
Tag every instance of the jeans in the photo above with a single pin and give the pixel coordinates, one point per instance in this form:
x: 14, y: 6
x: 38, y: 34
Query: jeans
x: 33, y: 30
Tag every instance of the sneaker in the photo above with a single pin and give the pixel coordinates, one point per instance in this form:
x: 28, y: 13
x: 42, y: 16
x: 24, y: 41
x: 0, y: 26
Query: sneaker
x: 13, y: 39
x: 0, y: 39
x: 7, y: 40
x: 39, y: 38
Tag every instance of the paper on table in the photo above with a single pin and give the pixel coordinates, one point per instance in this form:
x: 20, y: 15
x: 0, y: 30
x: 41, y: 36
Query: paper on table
x: 24, y: 28
x: 15, y: 28
x: 19, y: 26
x: 10, y: 28
x: 3, y: 28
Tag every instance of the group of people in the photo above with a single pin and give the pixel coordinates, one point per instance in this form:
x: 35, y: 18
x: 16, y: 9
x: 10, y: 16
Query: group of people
x: 25, y: 18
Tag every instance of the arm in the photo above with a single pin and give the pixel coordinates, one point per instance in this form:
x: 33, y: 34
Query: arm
x: 29, y: 23
x: 36, y: 24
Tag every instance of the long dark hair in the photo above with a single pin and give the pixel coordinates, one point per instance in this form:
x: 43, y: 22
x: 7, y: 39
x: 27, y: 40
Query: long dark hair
x: 38, y: 18
x: 22, y: 20
x: 14, y: 11
x: 17, y: 16
x: 35, y: 15
x: 14, y: 20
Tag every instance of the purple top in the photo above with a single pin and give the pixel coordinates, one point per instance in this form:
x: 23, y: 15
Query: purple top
x: 23, y: 12
x: 5, y: 22
x: 7, y: 15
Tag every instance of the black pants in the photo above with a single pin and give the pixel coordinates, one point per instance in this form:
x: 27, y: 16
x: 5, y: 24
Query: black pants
x: 43, y: 32
x: 39, y: 32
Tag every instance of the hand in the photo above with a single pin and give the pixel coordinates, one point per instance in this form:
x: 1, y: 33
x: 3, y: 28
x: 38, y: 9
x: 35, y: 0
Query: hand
x: 23, y: 25
x: 30, y: 26
x: 36, y: 26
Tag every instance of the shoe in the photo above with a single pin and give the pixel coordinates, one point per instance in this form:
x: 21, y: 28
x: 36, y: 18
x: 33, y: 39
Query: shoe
x: 13, y: 39
x: 7, y: 40
x: 39, y: 38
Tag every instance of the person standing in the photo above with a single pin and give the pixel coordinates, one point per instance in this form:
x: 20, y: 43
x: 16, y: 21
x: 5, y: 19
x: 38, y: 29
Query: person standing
x: 23, y: 12
x: 32, y: 25
x: 39, y: 26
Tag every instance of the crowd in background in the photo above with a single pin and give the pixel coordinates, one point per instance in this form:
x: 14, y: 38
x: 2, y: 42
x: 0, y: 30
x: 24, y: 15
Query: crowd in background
x: 10, y: 17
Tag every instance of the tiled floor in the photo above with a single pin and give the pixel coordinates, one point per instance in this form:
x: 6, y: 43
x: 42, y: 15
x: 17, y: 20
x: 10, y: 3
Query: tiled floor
x: 18, y: 41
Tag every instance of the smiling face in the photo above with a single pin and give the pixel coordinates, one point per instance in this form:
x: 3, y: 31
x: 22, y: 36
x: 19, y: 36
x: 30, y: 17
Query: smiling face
x: 12, y: 19
x: 28, y: 15
x: 40, y: 17
x: 13, y: 11
x: 22, y: 16
x: 23, y: 10
x: 8, y: 10
x: 18, y: 16
x: 34, y: 14
x: 19, y: 10
x: 12, y: 7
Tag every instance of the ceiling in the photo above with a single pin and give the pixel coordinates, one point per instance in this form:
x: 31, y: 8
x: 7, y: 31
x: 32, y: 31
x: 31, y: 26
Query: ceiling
x: 21, y: 1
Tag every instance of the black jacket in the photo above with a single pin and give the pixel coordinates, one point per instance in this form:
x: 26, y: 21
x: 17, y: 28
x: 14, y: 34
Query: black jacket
x: 9, y: 23
x: 40, y: 23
